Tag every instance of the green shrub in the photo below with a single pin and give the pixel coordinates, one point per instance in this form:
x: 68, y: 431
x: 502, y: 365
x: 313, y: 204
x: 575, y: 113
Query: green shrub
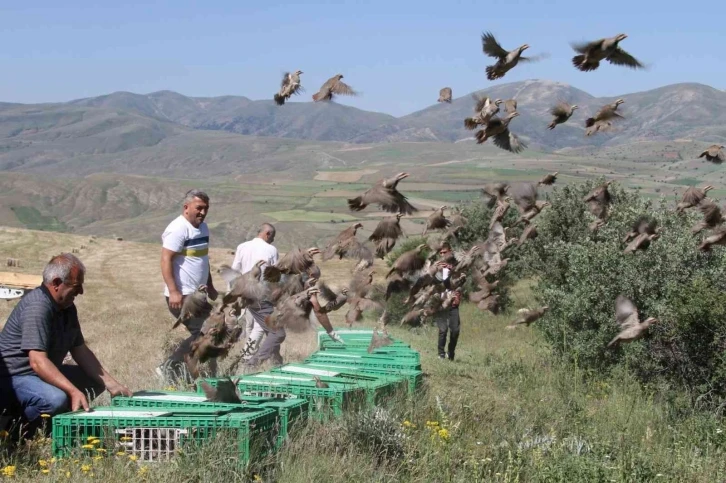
x: 581, y: 274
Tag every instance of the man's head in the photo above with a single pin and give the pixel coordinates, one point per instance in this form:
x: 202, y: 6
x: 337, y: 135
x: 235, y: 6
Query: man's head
x: 267, y: 232
x: 445, y: 250
x: 196, y: 206
x: 63, y: 277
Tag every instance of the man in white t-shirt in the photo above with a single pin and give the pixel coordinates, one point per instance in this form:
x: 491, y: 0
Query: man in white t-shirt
x: 184, y: 267
x: 246, y: 256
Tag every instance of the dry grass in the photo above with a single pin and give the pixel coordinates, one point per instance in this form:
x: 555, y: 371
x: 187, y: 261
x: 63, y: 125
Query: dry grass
x: 511, y: 412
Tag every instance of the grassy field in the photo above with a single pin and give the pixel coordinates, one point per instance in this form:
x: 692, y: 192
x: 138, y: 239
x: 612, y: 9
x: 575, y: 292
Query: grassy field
x: 504, y: 411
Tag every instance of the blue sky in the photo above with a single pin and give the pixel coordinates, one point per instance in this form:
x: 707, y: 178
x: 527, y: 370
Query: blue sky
x: 398, y: 54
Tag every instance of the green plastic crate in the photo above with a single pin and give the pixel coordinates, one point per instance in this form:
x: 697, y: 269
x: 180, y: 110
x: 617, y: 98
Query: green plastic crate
x: 324, y: 402
x: 378, y: 387
x: 353, y: 359
x: 414, y: 377
x: 403, y: 354
x: 289, y: 411
x: 345, y: 334
x: 156, y: 434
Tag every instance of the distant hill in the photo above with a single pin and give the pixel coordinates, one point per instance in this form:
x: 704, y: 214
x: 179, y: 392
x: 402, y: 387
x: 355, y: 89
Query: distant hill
x: 171, y: 135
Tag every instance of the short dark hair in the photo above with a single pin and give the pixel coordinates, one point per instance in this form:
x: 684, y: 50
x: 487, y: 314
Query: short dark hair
x: 195, y: 193
x: 444, y: 245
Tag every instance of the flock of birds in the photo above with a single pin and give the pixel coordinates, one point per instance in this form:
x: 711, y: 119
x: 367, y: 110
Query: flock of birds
x: 296, y: 278
x: 588, y: 58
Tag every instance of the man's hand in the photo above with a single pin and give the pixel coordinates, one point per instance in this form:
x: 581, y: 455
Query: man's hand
x: 445, y: 265
x: 116, y: 389
x: 457, y: 299
x: 335, y: 337
x: 78, y: 401
x: 175, y: 300
x: 212, y: 292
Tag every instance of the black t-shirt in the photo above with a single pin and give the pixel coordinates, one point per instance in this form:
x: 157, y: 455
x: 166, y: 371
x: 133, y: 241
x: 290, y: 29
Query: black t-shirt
x: 37, y: 323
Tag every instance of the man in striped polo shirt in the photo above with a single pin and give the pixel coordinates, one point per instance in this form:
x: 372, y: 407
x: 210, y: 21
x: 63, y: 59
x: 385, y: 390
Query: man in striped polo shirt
x: 184, y: 267
x: 40, y: 331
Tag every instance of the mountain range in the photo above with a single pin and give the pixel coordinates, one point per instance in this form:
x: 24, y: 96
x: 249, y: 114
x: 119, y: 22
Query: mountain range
x: 166, y: 132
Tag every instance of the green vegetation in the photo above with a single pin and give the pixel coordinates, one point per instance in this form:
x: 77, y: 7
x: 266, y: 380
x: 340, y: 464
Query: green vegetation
x: 33, y: 219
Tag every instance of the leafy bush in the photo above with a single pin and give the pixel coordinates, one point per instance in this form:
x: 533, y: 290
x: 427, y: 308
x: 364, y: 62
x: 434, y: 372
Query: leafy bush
x: 581, y: 274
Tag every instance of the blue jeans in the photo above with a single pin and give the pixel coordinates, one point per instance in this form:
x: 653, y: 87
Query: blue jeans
x: 30, y: 396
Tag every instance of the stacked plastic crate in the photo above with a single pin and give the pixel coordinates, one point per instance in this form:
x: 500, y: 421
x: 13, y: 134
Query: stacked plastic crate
x: 155, y: 425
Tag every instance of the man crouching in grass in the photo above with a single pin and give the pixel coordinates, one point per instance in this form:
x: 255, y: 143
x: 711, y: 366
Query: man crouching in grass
x: 39, y: 333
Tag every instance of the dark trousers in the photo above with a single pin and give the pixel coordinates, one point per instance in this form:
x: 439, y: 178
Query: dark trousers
x: 448, y: 321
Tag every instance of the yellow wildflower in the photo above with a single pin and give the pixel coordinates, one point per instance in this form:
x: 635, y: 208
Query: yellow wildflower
x: 133, y: 457
x: 45, y: 416
x: 97, y: 457
x: 257, y: 477
x: 45, y: 471
x: 100, y: 450
x: 68, y: 474
x: 170, y: 388
x: 85, y: 468
x: 143, y: 470
x: 444, y: 434
x: 408, y: 424
x: 9, y: 471
x: 432, y: 424
x: 87, y: 446
x: 121, y: 453
x: 53, y: 460
x: 125, y: 438
x: 43, y: 463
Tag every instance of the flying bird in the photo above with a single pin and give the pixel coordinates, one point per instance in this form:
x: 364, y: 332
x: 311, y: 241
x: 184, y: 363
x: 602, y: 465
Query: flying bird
x: 527, y: 316
x: 437, y: 221
x: 505, y: 60
x: 499, y: 130
x: 195, y: 305
x: 590, y: 54
x: 484, y: 109
x: 561, y: 112
x: 385, y: 194
x: 495, y: 191
x: 606, y: 113
x: 290, y: 85
x: 548, y: 179
x: 692, y: 197
x: 294, y: 262
x: 626, y: 314
x: 714, y: 154
x: 224, y: 392
x: 598, y: 200
x: 525, y: 197
x: 510, y: 105
x: 718, y: 237
x: 445, y: 95
x: 386, y: 233
x: 333, y: 86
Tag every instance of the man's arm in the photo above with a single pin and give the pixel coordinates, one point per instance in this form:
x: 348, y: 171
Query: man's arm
x: 175, y: 296
x: 48, y: 372
x: 323, y: 319
x: 87, y: 360
x: 237, y: 262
